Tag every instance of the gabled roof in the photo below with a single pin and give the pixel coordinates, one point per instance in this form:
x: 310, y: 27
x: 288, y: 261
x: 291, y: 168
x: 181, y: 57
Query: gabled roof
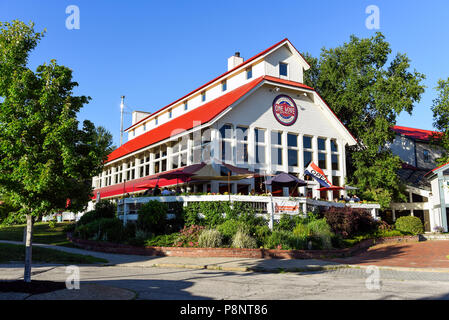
x: 202, y: 115
x: 252, y: 59
x: 196, y: 117
x: 417, y: 134
x: 443, y: 167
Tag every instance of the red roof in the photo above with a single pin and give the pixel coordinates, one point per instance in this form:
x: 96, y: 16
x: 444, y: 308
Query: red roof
x: 196, y: 117
x: 220, y: 76
x: 413, y: 133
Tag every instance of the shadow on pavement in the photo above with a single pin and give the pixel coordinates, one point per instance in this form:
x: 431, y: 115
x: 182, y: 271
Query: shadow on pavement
x: 373, y: 255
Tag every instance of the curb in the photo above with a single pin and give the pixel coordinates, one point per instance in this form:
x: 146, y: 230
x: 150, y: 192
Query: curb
x: 400, y: 269
x: 311, y: 268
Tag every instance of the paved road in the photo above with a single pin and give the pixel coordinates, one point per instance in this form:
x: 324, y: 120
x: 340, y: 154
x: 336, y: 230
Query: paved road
x: 171, y: 283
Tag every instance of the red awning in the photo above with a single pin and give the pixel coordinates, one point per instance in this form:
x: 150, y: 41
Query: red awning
x: 333, y: 188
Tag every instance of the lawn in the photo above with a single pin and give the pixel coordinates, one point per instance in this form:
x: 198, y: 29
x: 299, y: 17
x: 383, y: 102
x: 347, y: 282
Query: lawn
x: 16, y: 252
x: 42, y: 233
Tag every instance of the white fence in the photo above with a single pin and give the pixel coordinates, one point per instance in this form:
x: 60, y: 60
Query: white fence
x: 272, y: 207
x: 64, y: 216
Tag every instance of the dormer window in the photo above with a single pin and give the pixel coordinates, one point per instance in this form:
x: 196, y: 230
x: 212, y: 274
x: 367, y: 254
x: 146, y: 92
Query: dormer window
x: 283, y: 69
x: 203, y: 96
x: 224, y: 85
x: 186, y: 106
x: 249, y: 73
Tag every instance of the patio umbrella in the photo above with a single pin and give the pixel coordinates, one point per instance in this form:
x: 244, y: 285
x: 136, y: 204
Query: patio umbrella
x: 286, y: 179
x: 181, y: 173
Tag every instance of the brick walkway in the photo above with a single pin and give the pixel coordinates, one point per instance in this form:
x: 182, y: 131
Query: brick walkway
x: 426, y: 254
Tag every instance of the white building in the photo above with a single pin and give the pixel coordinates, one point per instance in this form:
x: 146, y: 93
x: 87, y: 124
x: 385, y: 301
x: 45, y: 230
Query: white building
x: 419, y: 156
x: 258, y: 115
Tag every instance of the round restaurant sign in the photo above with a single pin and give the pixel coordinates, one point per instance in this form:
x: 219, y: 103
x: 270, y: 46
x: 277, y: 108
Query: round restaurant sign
x: 285, y: 110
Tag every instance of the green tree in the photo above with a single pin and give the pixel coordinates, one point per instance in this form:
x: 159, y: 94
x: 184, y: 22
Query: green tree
x: 440, y: 108
x: 367, y: 94
x: 46, y: 157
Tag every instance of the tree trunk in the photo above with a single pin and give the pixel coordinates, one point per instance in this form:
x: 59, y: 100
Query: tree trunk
x: 28, y: 249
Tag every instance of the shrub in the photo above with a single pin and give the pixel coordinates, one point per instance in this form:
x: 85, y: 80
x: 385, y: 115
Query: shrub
x: 152, y: 217
x: 210, y: 238
x: 106, y: 209
x: 188, y: 236
x: 388, y: 233
x: 349, y: 222
x: 230, y: 227
x: 302, y: 230
x: 69, y: 227
x: 103, y: 209
x: 243, y: 240
x: 285, y: 240
x: 105, y: 229
x: 163, y: 240
x: 261, y: 234
x: 321, y: 230
x: 287, y: 222
x: 409, y: 224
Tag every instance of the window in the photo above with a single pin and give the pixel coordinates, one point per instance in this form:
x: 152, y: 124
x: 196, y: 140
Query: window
x: 426, y: 156
x: 179, y: 152
x: 259, y: 137
x: 226, y: 131
x: 335, y: 162
x: 307, y: 158
x: 144, y: 127
x: 276, y: 148
x: 308, y: 153
x: 292, y: 144
x: 292, y: 140
x: 242, y: 145
x: 283, y: 67
x: 334, y: 146
x: 226, y: 135
x: 201, y: 150
x: 224, y: 85
x: 322, y: 160
x: 160, y: 159
x: 186, y: 106
x: 321, y: 144
x: 170, y: 113
x: 155, y: 121
x: 307, y: 142
x: 203, y: 96
x: 134, y: 132
x: 249, y: 73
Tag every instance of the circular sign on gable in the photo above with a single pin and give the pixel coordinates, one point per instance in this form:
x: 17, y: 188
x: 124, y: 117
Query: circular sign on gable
x: 285, y: 110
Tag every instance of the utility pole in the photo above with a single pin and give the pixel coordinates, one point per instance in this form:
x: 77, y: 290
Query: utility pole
x: 122, y: 107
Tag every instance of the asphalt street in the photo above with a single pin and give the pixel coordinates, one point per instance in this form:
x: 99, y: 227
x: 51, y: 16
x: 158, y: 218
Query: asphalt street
x: 157, y: 283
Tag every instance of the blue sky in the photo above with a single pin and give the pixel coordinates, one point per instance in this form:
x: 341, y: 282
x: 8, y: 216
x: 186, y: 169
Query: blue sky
x: 154, y: 52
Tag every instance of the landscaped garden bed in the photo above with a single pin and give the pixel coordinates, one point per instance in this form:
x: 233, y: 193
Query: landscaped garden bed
x: 218, y: 229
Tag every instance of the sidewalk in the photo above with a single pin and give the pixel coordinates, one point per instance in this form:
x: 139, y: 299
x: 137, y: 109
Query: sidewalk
x: 428, y: 256
x: 225, y: 264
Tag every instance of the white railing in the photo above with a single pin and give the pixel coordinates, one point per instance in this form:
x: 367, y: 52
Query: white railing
x: 64, y: 216
x: 272, y: 207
